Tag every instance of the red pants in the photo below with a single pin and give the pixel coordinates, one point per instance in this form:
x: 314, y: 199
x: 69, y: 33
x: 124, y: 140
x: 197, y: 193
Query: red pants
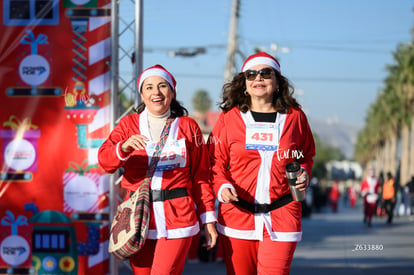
x: 248, y: 257
x: 193, y: 251
x: 353, y: 201
x: 369, y: 210
x: 334, y: 205
x: 161, y: 257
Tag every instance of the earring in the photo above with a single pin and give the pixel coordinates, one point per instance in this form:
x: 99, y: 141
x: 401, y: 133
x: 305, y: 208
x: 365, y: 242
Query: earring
x: 246, y: 93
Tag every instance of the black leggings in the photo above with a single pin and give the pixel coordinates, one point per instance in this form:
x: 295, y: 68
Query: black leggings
x: 389, y: 209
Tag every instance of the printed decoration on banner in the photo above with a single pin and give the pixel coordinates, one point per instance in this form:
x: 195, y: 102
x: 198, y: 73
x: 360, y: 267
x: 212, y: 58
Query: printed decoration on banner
x: 34, y: 69
x: 81, y: 111
x: 55, y: 243
x: 15, y: 241
x: 26, y: 13
x: 81, y: 117
x: 20, y: 150
x: 77, y: 3
x: 81, y: 188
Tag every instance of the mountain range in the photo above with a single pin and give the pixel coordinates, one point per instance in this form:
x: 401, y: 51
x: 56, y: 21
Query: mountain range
x: 336, y: 134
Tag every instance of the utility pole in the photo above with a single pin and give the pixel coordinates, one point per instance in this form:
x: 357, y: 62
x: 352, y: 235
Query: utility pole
x: 232, y: 43
x: 139, y: 48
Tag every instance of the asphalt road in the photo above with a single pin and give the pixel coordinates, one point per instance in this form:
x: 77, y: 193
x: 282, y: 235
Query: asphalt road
x: 340, y: 243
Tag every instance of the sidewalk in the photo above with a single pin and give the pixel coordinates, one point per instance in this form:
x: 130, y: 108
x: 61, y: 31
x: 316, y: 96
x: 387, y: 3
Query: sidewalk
x: 339, y: 244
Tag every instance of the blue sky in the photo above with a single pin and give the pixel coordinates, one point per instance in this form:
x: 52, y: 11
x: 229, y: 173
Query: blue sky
x: 338, y: 49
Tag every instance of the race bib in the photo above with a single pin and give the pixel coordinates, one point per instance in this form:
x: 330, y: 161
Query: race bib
x: 262, y: 136
x: 173, y: 155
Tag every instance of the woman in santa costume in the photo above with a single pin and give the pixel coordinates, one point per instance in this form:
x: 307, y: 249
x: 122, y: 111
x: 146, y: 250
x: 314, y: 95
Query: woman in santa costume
x: 261, y: 129
x: 180, y: 187
x: 369, y: 191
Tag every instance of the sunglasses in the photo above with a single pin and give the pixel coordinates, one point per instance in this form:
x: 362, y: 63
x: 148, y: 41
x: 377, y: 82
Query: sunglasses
x: 266, y: 73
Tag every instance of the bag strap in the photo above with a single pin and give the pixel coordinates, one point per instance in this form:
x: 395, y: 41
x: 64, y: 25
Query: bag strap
x: 158, y: 148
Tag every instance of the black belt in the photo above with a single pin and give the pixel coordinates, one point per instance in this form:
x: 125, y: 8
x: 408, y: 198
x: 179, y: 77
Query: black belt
x: 265, y: 207
x: 163, y: 195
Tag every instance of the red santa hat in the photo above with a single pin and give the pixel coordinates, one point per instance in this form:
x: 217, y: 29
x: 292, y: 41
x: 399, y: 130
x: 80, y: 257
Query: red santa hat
x: 156, y: 70
x: 259, y: 59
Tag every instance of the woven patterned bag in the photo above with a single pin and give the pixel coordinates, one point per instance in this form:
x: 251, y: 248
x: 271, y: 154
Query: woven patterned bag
x: 130, y: 224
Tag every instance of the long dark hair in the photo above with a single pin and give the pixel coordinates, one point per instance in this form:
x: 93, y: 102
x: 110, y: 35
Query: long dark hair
x: 177, y: 109
x: 233, y: 95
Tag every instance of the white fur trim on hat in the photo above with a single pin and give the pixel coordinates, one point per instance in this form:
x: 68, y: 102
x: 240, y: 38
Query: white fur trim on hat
x: 261, y: 60
x: 155, y: 72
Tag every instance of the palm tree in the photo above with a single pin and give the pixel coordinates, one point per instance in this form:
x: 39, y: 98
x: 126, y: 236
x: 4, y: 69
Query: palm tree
x: 391, y: 111
x: 404, y: 89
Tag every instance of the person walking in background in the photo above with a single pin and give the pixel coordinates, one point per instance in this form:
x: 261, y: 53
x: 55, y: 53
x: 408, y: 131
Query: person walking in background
x: 261, y: 129
x: 410, y: 195
x: 352, y: 193
x: 379, y: 207
x: 369, y: 191
x: 181, y: 191
x: 388, y: 196
x: 334, y: 196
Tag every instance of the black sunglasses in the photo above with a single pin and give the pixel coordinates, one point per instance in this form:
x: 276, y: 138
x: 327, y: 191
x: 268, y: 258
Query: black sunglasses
x: 266, y: 73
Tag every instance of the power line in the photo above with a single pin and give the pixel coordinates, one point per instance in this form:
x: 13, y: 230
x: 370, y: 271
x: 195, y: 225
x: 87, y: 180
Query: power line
x: 295, y: 79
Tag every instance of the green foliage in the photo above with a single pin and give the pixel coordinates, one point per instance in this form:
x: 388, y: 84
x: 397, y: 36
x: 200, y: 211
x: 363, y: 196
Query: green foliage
x: 201, y: 101
x: 392, y: 108
x: 324, y: 154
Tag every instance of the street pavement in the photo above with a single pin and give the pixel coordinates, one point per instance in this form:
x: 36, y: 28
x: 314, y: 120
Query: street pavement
x: 340, y: 243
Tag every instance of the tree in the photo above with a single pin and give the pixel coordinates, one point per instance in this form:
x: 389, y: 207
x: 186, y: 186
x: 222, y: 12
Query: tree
x: 201, y: 101
x: 324, y: 154
x: 390, y: 118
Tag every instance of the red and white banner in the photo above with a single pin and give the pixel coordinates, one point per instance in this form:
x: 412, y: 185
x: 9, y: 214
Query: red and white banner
x: 54, y: 115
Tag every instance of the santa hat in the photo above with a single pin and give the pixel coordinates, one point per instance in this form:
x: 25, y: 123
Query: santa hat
x: 156, y: 70
x: 259, y: 59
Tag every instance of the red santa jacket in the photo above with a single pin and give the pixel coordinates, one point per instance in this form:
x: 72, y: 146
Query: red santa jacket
x: 183, y: 163
x: 369, y: 189
x: 259, y: 175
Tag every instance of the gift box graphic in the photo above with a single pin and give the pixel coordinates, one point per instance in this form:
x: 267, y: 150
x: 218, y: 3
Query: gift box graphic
x: 20, y: 151
x: 81, y: 188
x: 34, y: 69
x: 15, y: 241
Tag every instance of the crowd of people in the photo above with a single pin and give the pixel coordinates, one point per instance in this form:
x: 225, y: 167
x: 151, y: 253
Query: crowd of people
x: 228, y: 194
x: 382, y: 196
x: 261, y: 129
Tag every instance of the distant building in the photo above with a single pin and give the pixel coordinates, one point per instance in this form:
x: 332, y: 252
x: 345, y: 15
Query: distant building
x: 344, y: 170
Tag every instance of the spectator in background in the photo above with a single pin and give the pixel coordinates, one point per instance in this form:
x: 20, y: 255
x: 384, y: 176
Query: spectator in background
x: 352, y: 193
x: 369, y: 191
x: 334, y: 196
x: 410, y: 186
x: 379, y: 209
x: 388, y: 197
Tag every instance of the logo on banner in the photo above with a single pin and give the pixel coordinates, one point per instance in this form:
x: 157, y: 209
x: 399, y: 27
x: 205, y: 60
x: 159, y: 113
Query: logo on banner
x: 34, y: 70
x: 20, y: 154
x: 14, y: 250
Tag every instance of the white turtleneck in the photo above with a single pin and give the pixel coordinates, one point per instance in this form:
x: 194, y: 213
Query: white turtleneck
x: 156, y: 124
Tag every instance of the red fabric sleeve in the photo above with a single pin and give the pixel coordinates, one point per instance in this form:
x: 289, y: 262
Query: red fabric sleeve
x: 219, y: 154
x: 201, y: 191
x: 107, y: 154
